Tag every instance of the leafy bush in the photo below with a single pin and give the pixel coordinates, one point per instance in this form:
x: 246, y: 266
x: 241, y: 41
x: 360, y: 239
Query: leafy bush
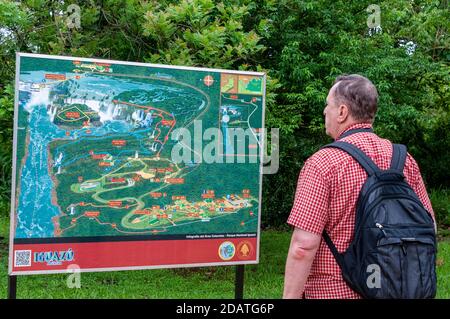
x: 303, y: 45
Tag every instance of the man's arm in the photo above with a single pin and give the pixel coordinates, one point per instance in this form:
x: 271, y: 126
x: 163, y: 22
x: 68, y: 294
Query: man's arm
x: 300, y: 257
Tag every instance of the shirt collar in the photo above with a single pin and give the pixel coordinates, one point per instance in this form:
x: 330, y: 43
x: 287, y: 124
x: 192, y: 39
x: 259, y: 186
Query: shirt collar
x: 355, y: 126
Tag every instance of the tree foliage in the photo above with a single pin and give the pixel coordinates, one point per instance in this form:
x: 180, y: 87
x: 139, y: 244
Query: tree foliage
x: 312, y: 42
x: 303, y: 45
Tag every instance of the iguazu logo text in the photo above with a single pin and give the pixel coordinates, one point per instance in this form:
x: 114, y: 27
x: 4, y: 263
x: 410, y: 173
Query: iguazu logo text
x: 54, y: 257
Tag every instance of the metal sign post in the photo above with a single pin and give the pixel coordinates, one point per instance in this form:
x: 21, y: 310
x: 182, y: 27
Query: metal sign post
x: 12, y: 286
x: 239, y: 282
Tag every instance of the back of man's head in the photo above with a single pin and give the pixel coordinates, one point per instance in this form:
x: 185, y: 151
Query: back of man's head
x: 359, y: 94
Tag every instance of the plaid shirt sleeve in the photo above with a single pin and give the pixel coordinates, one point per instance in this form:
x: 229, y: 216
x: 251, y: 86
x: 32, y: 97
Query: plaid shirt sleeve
x: 310, y: 209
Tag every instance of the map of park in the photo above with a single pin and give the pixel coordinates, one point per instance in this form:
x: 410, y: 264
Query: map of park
x: 95, y: 142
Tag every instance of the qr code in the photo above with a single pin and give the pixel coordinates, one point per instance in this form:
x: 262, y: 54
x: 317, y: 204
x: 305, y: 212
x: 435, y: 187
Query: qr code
x: 22, y: 258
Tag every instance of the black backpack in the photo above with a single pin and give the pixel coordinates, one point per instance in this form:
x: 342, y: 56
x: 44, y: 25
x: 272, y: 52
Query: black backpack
x: 393, y: 251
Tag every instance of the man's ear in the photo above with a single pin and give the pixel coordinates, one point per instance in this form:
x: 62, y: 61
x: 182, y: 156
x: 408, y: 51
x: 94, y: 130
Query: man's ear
x: 342, y: 113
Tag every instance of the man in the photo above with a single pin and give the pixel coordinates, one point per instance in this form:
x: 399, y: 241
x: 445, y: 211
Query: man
x: 328, y: 188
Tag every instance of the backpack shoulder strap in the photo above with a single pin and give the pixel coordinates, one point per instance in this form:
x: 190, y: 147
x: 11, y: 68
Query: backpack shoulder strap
x: 364, y: 160
x: 355, y: 130
x: 333, y: 249
x: 399, y: 153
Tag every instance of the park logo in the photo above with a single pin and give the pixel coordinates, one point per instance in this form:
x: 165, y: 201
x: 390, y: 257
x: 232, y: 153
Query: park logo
x: 227, y: 250
x: 244, y: 250
x: 54, y: 258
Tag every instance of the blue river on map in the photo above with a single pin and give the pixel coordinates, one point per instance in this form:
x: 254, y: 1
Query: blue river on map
x: 35, y: 181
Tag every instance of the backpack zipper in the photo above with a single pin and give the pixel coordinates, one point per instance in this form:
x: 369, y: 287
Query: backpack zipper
x: 383, y: 183
x: 373, y: 204
x: 402, y: 245
x: 381, y: 228
x: 405, y: 226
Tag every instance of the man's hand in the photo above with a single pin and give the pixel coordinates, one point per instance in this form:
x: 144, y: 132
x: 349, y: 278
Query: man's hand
x: 301, y: 254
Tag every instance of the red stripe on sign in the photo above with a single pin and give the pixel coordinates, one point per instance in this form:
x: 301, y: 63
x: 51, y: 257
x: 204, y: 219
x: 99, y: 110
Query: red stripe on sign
x: 91, y: 256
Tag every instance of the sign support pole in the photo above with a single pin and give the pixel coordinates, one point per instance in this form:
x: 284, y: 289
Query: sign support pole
x: 239, y: 282
x: 12, y: 286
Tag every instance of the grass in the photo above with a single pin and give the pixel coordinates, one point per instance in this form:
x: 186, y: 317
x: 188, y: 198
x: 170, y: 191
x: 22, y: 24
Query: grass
x: 264, y: 280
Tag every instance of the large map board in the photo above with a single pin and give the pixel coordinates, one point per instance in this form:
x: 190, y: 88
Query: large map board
x: 121, y: 165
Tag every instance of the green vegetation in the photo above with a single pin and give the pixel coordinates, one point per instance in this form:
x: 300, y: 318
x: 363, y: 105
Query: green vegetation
x: 440, y: 199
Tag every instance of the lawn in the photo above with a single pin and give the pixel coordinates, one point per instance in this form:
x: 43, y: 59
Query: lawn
x: 261, y: 281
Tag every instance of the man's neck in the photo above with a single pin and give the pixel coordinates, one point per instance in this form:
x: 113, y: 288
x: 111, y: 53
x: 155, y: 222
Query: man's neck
x: 352, y: 125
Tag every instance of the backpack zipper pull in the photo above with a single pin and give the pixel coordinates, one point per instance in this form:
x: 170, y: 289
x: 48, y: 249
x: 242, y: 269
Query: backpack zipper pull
x: 381, y: 228
x: 403, y: 248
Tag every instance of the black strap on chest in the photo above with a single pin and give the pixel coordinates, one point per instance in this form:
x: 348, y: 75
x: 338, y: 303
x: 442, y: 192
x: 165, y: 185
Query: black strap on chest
x: 355, y: 130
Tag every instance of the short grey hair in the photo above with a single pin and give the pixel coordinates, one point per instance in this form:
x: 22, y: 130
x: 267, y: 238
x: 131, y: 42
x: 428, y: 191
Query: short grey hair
x: 359, y: 94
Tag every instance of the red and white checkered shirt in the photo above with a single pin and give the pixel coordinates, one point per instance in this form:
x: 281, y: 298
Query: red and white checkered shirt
x: 326, y: 195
